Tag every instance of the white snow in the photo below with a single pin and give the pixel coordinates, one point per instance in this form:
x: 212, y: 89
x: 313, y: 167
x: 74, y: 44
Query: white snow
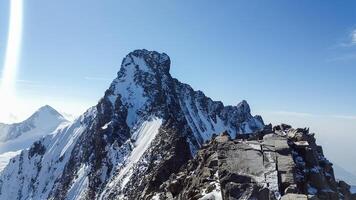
x: 271, y: 173
x: 146, y: 133
x: 106, y: 125
x: 69, y: 141
x: 200, y: 119
x: 20, y: 136
x: 79, y: 185
x: 143, y: 137
x: 202, y: 125
x: 132, y: 93
x: 268, y: 178
x: 42, y: 122
x: 24, y: 168
x: 155, y: 197
x: 5, y: 158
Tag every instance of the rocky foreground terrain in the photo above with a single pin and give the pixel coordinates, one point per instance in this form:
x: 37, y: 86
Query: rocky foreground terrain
x: 279, y: 163
x: 153, y: 137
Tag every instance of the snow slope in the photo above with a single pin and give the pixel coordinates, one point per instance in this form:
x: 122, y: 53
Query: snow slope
x: 44, y: 168
x: 19, y: 136
x: 5, y: 158
x: 142, y: 140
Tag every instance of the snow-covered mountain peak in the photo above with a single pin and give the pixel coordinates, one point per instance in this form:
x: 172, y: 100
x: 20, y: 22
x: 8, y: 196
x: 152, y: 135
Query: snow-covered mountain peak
x: 143, y: 66
x: 244, y: 106
x: 47, y: 111
x: 20, y: 136
x: 156, y: 62
x: 44, y: 120
x: 139, y: 82
x: 47, y: 108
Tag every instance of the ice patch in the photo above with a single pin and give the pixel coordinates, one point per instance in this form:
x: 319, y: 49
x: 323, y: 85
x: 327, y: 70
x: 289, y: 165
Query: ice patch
x: 79, y: 185
x: 106, y: 126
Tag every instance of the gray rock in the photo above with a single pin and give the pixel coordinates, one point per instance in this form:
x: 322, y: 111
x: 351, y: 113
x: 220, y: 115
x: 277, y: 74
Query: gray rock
x: 294, y: 197
x: 269, y: 166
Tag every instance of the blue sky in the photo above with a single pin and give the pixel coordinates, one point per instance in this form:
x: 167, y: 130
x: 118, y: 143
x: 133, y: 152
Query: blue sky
x: 293, y: 61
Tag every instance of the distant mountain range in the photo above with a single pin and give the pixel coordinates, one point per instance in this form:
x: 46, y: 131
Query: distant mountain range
x: 153, y: 137
x: 345, y: 175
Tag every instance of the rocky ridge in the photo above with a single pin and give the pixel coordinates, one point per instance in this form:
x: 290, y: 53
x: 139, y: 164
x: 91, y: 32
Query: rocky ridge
x: 279, y: 163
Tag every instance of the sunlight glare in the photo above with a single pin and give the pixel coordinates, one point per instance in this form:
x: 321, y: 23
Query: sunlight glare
x: 13, y: 48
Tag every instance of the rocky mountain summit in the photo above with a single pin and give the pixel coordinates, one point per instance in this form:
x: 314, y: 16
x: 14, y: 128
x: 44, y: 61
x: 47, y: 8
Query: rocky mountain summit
x: 153, y: 137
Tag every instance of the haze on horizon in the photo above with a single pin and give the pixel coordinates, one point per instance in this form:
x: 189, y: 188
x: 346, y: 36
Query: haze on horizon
x: 294, y: 62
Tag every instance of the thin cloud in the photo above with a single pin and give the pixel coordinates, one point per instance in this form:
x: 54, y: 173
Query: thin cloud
x: 345, y: 49
x: 346, y: 57
x: 24, y: 81
x: 350, y: 40
x: 301, y: 114
x: 297, y: 114
x: 32, y: 84
x: 352, y: 117
x: 353, y: 37
x: 91, y: 78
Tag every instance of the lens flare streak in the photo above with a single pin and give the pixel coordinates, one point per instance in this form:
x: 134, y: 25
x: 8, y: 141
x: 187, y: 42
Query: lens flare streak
x: 13, y: 48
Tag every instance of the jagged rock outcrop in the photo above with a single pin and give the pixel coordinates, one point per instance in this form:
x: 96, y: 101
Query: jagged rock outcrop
x: 282, y: 164
x: 145, y: 128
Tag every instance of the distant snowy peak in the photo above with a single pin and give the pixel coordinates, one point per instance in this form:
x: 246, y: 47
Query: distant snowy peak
x: 46, y: 114
x: 44, y: 119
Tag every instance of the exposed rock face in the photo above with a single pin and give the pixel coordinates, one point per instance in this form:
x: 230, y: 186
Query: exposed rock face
x: 145, y: 128
x: 285, y: 164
